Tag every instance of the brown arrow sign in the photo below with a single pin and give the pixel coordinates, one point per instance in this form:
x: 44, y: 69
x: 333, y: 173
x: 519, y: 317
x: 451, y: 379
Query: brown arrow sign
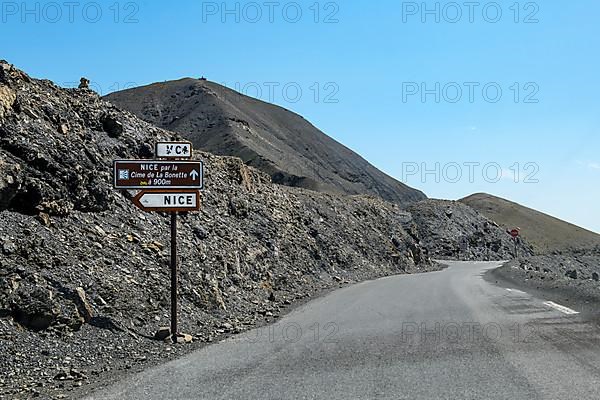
x: 168, y: 200
x: 150, y: 174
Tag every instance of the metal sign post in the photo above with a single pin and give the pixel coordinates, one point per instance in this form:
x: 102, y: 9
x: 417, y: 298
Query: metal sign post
x: 165, y: 186
x: 174, y: 276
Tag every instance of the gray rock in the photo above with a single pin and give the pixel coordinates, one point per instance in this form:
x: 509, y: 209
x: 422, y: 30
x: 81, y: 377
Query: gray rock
x: 571, y: 274
x: 84, y: 307
x: 163, y: 333
x: 184, y: 338
x: 112, y: 126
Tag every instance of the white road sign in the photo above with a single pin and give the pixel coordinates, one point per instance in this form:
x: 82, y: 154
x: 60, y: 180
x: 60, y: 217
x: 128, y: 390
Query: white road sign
x: 173, y: 150
x: 168, y: 200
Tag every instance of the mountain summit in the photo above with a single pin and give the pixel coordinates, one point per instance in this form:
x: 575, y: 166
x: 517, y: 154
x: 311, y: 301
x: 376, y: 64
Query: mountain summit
x: 277, y: 141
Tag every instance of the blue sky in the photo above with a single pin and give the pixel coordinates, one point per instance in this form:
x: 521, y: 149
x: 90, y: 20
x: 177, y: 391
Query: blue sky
x: 361, y: 68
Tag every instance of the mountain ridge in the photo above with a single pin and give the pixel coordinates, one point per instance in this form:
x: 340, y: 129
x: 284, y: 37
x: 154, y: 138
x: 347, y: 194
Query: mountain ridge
x: 269, y: 137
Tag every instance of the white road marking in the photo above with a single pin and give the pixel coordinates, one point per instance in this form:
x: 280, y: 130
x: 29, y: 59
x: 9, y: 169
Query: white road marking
x: 560, y: 308
x: 516, y: 291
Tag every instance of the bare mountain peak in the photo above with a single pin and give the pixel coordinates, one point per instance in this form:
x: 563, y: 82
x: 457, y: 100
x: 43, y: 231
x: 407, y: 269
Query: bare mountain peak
x: 279, y: 142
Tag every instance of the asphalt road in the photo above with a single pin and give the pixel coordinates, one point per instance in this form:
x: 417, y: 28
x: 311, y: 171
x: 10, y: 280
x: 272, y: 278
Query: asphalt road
x: 442, y: 335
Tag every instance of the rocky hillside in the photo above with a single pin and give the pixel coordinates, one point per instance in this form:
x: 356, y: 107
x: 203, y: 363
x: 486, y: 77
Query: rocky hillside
x: 84, y: 275
x: 452, y: 230
x: 282, y: 144
x: 544, y: 232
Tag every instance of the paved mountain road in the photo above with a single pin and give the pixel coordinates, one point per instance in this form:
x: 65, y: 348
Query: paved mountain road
x: 442, y: 335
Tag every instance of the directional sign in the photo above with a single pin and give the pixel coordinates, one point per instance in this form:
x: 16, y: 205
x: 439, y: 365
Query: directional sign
x: 150, y: 174
x: 168, y: 200
x: 173, y: 150
x: 168, y: 186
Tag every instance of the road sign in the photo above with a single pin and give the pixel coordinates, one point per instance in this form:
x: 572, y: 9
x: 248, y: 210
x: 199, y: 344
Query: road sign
x: 515, y: 235
x: 169, y: 186
x: 173, y: 150
x: 150, y: 174
x: 168, y: 200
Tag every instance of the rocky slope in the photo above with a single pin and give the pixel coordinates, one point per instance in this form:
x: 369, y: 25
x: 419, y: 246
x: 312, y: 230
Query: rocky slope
x: 84, y: 275
x: 452, y: 230
x: 545, y: 233
x: 282, y: 144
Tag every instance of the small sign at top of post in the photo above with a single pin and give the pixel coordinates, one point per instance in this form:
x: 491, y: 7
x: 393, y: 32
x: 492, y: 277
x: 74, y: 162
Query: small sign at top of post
x: 171, y: 150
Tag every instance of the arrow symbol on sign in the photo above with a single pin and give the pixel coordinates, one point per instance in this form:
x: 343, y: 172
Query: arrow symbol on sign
x: 194, y: 175
x: 168, y: 200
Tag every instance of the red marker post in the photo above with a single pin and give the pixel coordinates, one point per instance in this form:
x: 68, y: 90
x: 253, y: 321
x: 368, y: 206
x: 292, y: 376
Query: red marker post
x: 515, y: 233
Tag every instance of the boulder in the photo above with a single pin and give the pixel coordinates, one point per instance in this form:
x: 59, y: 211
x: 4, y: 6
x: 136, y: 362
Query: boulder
x: 163, y: 333
x: 112, y: 126
x: 34, y: 307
